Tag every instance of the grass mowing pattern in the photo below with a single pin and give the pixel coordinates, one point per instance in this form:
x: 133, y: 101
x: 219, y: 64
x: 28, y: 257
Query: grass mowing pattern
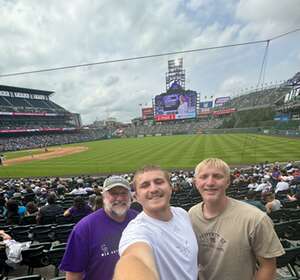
x: 170, y: 152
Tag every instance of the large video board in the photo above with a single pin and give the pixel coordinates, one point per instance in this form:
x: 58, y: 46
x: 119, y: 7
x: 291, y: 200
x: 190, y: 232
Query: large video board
x: 175, y: 106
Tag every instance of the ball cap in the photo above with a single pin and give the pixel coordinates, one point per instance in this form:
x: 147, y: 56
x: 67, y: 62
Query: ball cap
x: 115, y: 181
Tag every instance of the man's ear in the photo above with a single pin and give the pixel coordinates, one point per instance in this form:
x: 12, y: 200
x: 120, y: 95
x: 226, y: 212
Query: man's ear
x: 228, y: 183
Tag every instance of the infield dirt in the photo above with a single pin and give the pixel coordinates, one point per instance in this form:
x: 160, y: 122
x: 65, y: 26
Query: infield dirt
x: 47, y: 154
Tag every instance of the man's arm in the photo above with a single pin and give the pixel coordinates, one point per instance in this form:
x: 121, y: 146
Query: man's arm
x: 267, y: 269
x: 137, y: 262
x: 74, y: 275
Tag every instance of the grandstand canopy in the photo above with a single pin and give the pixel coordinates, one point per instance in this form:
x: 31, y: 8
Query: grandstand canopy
x: 25, y: 90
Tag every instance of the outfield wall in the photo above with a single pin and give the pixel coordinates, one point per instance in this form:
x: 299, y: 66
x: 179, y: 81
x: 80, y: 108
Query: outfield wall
x: 274, y: 132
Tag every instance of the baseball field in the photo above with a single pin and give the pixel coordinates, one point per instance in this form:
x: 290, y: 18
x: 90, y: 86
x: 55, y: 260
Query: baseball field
x: 126, y: 155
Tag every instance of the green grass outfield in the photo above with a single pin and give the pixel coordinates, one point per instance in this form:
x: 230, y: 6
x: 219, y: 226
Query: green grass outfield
x: 170, y: 152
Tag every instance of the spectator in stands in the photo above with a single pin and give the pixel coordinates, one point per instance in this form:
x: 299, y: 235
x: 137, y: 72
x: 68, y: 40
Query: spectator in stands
x: 275, y: 175
x: 295, y: 196
x: 272, y: 204
x: 79, y: 190
x: 32, y: 209
x: 92, y: 249
x: 12, y: 215
x: 61, y: 190
x: 79, y: 208
x: 253, y: 183
x: 21, y: 208
x: 160, y: 242
x: 91, y: 200
x: 4, y: 236
x: 48, y: 212
x: 251, y: 199
x: 135, y: 204
x: 232, y: 236
x: 281, y: 186
x: 3, y: 209
x: 98, y: 203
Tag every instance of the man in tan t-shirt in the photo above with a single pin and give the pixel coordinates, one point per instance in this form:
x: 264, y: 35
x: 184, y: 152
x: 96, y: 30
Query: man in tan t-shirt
x: 232, y: 235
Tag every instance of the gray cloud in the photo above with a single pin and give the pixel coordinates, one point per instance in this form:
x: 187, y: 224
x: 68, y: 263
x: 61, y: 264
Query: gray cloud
x: 40, y: 34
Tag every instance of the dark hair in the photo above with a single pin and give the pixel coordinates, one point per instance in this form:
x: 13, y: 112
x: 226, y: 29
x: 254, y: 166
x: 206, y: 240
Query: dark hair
x: 251, y: 194
x: 51, y: 198
x: 79, y: 202
x: 12, y: 207
x: 31, y: 207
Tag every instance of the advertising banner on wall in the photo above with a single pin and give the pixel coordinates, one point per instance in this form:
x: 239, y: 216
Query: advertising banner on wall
x: 147, y: 113
x: 206, y: 104
x: 220, y: 101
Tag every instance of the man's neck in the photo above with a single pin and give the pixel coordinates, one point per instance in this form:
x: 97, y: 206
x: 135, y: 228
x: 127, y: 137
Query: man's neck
x: 212, y: 210
x: 162, y: 215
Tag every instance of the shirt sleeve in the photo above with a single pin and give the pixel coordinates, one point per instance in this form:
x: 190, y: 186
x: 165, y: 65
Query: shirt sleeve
x: 134, y: 232
x: 76, y: 255
x: 264, y: 240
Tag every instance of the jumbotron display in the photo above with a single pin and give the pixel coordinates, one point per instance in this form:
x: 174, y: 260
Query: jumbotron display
x: 175, y: 106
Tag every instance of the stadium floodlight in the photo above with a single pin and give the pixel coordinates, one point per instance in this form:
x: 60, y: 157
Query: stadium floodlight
x: 177, y: 62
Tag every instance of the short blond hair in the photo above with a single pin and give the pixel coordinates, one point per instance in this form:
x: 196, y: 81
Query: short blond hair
x: 213, y: 162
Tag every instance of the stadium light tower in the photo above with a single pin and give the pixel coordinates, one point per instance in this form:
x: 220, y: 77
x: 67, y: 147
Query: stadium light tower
x: 175, y: 74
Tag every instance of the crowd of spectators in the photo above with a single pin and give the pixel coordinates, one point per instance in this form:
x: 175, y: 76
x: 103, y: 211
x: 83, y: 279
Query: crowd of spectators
x: 38, y: 141
x: 46, y: 201
x: 267, y: 186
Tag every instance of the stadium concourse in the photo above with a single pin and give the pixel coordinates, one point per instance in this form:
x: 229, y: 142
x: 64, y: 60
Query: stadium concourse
x: 22, y: 202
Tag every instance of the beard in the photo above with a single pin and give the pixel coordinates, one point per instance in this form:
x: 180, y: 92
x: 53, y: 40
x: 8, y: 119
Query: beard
x: 117, y: 208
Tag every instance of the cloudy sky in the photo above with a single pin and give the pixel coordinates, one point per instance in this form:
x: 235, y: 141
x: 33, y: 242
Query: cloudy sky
x: 45, y: 34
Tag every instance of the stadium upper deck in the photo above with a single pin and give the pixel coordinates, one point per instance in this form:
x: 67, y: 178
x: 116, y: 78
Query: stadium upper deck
x: 25, y: 110
x: 15, y: 99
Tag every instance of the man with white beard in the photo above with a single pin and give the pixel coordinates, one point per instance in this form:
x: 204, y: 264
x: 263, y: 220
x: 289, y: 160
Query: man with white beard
x: 92, y: 249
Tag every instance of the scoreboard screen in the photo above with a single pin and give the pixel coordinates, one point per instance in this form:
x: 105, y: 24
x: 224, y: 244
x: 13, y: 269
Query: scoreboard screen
x: 175, y: 106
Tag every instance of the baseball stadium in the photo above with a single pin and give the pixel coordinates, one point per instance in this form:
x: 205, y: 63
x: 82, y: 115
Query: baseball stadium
x: 60, y: 176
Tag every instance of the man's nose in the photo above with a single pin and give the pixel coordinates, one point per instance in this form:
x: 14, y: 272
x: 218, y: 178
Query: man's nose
x: 153, y: 187
x: 210, y: 180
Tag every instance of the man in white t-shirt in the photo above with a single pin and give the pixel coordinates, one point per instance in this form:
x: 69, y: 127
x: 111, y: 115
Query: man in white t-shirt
x: 159, y: 243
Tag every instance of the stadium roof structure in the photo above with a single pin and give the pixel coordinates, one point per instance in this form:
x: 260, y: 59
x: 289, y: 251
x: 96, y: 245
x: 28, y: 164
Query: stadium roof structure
x: 25, y: 90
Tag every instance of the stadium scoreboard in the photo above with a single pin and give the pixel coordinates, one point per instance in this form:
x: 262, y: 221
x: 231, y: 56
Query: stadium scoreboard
x: 175, y: 105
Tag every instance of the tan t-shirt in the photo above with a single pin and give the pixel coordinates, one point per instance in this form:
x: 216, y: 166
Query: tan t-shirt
x: 229, y: 243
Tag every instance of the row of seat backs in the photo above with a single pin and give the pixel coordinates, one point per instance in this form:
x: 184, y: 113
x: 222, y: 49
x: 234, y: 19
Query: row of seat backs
x: 40, y: 233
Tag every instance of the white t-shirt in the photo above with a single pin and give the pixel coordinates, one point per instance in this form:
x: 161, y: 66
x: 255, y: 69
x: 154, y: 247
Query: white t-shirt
x: 281, y: 186
x: 173, y: 243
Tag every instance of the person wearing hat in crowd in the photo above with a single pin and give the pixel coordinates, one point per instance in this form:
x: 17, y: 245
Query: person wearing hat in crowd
x: 236, y: 240
x: 159, y: 243
x: 92, y: 249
